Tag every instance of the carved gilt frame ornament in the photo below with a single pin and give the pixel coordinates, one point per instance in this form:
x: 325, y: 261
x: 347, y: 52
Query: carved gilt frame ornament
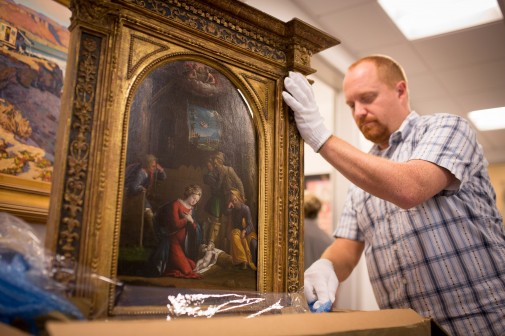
x: 117, y: 46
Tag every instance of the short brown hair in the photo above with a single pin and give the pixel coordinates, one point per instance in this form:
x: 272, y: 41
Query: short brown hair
x: 389, y: 71
x: 311, y: 205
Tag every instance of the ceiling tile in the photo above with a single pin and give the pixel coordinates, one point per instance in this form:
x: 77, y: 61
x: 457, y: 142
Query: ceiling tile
x: 319, y: 8
x: 436, y: 105
x: 366, y: 26
x: 479, y: 77
x: 425, y: 86
x: 470, y: 46
x: 478, y: 100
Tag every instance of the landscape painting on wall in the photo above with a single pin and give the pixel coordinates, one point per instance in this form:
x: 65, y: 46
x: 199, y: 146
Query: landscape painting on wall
x: 34, y: 40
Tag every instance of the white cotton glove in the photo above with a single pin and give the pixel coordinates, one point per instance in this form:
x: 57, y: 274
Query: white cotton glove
x: 300, y: 98
x: 320, y: 285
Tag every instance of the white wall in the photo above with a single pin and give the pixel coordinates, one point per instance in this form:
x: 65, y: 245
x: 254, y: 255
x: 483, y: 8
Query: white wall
x: 356, y: 292
x: 326, y: 98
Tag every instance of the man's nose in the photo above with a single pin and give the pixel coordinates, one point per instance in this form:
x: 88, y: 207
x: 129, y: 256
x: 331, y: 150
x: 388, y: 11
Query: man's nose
x: 359, y: 111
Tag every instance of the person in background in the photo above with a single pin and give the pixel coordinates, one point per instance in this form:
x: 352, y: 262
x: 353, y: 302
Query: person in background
x: 421, y: 207
x: 316, y: 240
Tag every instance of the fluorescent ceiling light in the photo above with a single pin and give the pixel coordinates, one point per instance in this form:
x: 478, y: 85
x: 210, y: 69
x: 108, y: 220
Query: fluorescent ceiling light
x: 486, y: 120
x: 422, y: 18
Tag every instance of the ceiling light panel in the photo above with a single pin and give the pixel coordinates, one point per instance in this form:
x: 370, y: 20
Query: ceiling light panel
x: 423, y: 18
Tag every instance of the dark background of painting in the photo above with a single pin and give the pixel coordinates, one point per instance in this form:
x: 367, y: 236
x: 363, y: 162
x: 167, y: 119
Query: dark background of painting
x: 158, y: 124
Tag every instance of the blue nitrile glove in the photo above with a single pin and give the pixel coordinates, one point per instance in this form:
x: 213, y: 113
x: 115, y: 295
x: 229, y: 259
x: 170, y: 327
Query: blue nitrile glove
x: 320, y: 285
x: 324, y: 308
x: 300, y: 98
x: 24, y: 295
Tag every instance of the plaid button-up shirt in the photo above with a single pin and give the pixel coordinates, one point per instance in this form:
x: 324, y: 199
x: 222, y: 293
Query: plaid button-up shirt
x: 444, y: 258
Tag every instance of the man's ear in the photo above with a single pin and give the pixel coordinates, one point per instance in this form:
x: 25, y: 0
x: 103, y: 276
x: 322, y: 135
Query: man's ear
x: 401, y: 88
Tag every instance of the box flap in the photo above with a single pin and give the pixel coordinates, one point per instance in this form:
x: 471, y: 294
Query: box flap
x: 392, y: 322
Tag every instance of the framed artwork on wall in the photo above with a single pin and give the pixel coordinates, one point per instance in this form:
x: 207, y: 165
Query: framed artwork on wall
x: 179, y: 169
x: 320, y: 186
x: 34, y: 40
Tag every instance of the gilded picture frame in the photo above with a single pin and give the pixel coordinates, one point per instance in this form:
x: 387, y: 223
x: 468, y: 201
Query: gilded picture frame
x: 132, y: 63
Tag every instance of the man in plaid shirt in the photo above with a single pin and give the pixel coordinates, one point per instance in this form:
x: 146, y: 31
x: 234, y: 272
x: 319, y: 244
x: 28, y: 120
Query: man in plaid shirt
x: 421, y: 208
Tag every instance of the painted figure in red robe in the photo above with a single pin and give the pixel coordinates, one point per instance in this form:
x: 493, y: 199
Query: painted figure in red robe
x: 183, y: 234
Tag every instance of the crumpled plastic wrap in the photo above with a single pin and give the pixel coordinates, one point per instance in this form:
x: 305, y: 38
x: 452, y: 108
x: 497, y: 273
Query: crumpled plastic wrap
x: 27, y: 290
x: 250, y: 304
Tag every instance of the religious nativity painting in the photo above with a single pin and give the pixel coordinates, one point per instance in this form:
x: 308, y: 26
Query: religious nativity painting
x: 189, y: 211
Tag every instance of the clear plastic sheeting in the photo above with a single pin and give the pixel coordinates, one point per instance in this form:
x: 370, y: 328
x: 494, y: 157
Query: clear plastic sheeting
x: 27, y: 290
x: 18, y: 237
x: 249, y: 304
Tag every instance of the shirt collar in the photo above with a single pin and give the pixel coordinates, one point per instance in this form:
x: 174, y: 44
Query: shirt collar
x: 401, y: 133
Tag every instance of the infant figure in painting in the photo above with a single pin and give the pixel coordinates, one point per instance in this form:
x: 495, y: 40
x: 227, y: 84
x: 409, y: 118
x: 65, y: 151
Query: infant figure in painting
x: 209, y: 258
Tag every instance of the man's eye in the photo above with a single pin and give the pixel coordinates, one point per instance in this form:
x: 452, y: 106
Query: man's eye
x: 367, y: 99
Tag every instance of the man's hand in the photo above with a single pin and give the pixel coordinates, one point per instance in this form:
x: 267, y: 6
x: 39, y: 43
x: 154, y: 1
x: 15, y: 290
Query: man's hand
x: 300, y: 98
x: 320, y: 285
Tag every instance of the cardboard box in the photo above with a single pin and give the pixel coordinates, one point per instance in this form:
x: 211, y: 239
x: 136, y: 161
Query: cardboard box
x: 383, y: 322
x: 7, y: 330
